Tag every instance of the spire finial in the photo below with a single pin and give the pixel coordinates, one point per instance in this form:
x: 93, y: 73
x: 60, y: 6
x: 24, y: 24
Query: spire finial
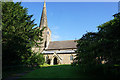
x: 44, y: 3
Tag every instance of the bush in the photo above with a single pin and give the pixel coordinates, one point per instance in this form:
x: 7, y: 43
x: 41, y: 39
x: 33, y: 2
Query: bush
x: 35, y: 60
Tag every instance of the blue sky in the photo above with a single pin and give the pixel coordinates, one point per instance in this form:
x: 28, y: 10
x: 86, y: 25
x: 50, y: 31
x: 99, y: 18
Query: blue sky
x: 70, y: 20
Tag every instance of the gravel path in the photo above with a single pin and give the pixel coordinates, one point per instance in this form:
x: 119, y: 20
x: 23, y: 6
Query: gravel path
x: 16, y: 76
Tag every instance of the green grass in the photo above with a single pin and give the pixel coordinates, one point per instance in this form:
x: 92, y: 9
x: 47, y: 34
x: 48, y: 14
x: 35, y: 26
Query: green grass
x: 59, y: 71
x: 48, y: 72
x: 44, y: 65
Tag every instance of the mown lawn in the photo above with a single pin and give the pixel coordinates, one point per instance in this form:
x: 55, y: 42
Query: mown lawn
x: 60, y: 71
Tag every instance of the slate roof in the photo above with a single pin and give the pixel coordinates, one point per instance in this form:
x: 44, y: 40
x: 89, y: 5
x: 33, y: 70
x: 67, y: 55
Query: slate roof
x: 68, y: 44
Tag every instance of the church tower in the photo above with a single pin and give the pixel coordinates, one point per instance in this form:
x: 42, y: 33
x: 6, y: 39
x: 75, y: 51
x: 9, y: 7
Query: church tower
x: 46, y: 33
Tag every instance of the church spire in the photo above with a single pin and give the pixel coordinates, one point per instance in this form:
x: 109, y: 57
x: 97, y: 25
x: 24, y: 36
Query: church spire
x: 44, y: 4
x: 43, y: 21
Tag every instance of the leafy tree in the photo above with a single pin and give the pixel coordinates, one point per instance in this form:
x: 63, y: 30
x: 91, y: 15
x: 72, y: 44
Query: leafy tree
x: 86, y: 48
x: 95, y: 48
x: 35, y: 60
x: 18, y: 32
x: 110, y: 39
x: 103, y: 45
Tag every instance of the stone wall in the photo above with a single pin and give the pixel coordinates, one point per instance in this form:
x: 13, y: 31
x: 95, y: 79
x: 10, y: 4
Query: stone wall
x: 63, y: 58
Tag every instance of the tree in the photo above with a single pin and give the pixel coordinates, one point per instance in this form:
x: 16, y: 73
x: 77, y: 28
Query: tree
x: 86, y: 48
x: 110, y: 39
x: 18, y: 32
x: 35, y: 60
x: 102, y: 47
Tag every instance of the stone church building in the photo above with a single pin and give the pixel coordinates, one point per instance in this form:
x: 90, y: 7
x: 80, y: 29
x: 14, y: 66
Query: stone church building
x: 55, y: 52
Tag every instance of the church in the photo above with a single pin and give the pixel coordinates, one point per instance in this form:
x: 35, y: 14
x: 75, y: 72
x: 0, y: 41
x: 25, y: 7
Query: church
x: 55, y: 52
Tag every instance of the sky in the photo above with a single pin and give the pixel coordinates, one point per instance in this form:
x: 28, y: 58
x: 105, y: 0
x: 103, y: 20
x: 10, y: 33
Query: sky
x: 67, y: 0
x: 71, y: 20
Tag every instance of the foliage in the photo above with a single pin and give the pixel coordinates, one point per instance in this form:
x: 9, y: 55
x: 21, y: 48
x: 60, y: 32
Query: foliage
x: 35, y: 60
x: 86, y: 45
x: 110, y: 40
x: 102, y: 47
x: 18, y: 33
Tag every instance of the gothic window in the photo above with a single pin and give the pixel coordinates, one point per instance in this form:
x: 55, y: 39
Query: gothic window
x: 71, y: 57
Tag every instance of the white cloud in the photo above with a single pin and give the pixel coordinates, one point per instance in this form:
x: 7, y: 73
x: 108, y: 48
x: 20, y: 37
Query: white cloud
x: 55, y: 37
x: 54, y: 28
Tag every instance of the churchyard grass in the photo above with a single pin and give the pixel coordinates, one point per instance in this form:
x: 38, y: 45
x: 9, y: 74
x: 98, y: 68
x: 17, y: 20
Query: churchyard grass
x: 60, y: 72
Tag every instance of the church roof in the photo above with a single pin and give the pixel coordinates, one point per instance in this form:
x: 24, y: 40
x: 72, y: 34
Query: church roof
x: 68, y: 44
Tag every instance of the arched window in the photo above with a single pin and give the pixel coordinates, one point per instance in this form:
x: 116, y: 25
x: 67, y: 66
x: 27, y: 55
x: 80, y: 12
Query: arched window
x: 55, y: 61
